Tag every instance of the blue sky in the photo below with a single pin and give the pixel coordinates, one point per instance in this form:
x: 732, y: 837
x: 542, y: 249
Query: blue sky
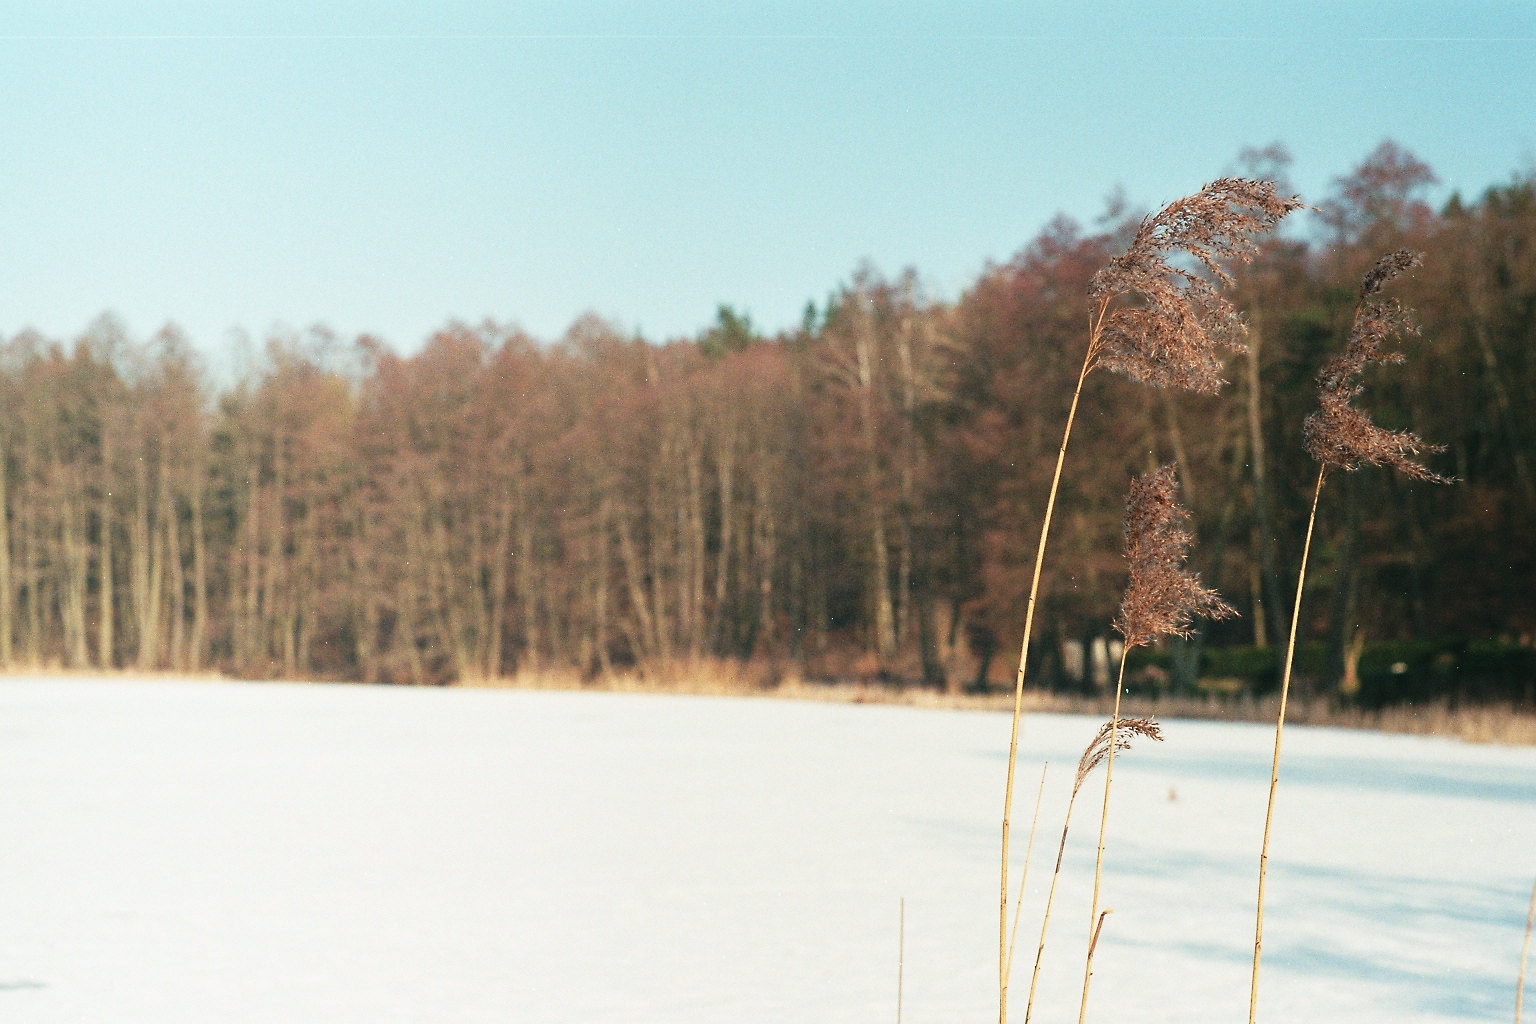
x: 384, y: 167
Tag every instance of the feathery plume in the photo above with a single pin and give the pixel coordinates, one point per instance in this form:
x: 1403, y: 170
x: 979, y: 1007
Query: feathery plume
x: 1340, y: 435
x: 1162, y: 596
x: 1171, y: 338
x: 1115, y: 735
x: 1097, y: 750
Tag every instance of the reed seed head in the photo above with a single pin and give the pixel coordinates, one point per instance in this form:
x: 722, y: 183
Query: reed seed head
x: 1097, y: 750
x: 1162, y: 597
x: 1171, y: 338
x: 1339, y: 434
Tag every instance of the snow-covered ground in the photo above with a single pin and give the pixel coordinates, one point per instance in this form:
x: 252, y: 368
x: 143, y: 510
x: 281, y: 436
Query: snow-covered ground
x: 220, y: 853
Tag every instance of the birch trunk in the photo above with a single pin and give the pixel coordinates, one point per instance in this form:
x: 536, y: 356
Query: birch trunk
x: 7, y: 583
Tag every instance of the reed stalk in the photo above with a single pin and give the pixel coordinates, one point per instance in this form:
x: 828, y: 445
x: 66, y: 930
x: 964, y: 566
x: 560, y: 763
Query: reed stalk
x: 1525, y: 954
x: 1162, y: 597
x: 1029, y: 849
x: 1004, y: 960
x: 1274, y: 769
x: 1339, y: 435
x: 1050, y: 900
x: 1095, y: 920
x: 1094, y: 754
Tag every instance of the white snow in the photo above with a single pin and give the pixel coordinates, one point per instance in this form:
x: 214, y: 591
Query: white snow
x: 225, y: 852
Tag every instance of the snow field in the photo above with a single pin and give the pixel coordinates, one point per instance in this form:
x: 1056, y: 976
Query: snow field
x: 233, y: 852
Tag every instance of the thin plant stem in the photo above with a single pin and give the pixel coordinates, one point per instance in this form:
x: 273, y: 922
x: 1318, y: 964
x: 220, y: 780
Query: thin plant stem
x: 1274, y: 770
x: 1525, y: 953
x: 1098, y: 929
x: 1094, y: 336
x: 1095, y: 921
x: 1050, y: 899
x: 1029, y: 849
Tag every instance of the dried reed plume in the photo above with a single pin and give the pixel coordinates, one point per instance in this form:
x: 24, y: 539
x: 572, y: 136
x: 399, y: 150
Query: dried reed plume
x: 1341, y: 436
x: 1113, y: 737
x: 1161, y: 599
x: 1157, y: 322
x: 1171, y: 338
x: 1108, y: 740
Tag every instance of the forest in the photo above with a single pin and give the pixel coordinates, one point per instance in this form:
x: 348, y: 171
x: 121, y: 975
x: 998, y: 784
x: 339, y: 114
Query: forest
x: 856, y: 498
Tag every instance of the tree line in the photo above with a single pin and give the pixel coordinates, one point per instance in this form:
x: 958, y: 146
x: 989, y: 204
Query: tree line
x: 857, y: 497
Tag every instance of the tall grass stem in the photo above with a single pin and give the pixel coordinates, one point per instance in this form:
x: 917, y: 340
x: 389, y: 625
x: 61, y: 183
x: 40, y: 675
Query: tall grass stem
x: 1095, y: 921
x: 1525, y: 953
x: 1018, y: 686
x: 1029, y: 849
x: 1050, y: 899
x: 1274, y: 769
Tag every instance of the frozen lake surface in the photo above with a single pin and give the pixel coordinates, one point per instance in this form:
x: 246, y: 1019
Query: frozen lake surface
x: 225, y: 852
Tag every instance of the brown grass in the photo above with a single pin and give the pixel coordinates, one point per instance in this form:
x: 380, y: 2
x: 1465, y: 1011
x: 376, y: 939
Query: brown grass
x: 1473, y: 723
x: 1494, y: 723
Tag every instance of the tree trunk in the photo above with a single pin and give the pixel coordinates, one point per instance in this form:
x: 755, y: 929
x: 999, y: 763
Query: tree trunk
x: 725, y: 476
x: 199, y: 649
x: 1263, y: 519
x: 145, y: 564
x: 75, y: 574
x: 527, y: 578
x: 7, y: 584
x: 499, y: 583
x: 644, y: 632
x: 604, y: 567
x: 880, y: 575
x: 178, y: 586
x: 106, y: 639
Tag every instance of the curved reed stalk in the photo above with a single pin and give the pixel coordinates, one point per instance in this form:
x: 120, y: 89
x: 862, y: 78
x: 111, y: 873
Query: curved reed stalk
x: 1341, y: 436
x: 1161, y: 599
x: 1029, y: 849
x: 1050, y: 897
x: 1274, y: 770
x: 1525, y: 953
x: 1095, y: 919
x: 1003, y: 955
x: 1093, y: 756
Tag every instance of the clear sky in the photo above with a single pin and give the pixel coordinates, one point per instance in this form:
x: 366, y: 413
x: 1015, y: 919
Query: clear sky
x: 384, y: 167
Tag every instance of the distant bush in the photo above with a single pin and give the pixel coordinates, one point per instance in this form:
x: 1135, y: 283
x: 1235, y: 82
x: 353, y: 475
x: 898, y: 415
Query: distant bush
x: 1451, y: 670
